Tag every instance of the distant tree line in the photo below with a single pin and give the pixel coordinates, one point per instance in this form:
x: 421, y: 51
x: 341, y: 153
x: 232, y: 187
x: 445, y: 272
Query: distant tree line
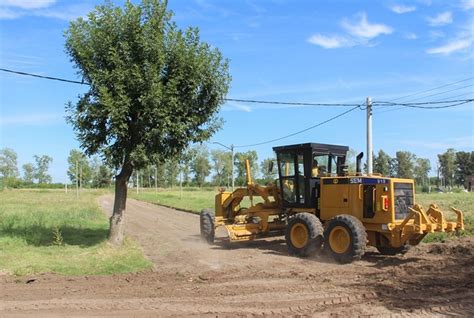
x: 453, y: 167
x: 89, y: 173
x: 85, y: 172
x: 36, y: 172
x: 198, y: 166
x: 213, y: 168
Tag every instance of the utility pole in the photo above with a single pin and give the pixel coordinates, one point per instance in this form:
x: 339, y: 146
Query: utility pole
x: 137, y: 181
x: 181, y: 184
x: 156, y: 179
x: 369, y: 136
x: 77, y: 179
x: 232, y: 166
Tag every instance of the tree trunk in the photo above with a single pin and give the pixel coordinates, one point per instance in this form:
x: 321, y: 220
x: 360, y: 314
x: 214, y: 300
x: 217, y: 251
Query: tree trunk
x: 117, y: 220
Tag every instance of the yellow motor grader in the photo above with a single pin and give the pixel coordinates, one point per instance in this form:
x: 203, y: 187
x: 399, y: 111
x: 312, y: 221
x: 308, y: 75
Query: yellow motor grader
x: 316, y: 202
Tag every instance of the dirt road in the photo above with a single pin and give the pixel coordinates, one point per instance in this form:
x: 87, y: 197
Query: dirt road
x: 253, y: 279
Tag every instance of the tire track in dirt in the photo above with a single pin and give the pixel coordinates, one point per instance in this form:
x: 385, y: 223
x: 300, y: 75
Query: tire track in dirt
x: 253, y: 279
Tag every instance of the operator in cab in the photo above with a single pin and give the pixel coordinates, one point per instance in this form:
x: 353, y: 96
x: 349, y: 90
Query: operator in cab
x: 315, y: 168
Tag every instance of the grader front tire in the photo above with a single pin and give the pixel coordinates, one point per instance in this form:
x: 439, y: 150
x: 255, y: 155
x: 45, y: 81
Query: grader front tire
x: 304, y: 234
x: 345, y: 238
x: 207, y: 226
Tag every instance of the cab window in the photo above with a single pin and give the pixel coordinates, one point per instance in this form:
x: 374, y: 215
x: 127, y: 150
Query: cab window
x: 287, y: 165
x: 320, y: 165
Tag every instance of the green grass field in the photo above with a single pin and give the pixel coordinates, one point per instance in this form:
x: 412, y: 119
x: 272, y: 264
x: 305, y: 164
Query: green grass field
x: 194, y: 199
x: 463, y: 201
x: 51, y: 231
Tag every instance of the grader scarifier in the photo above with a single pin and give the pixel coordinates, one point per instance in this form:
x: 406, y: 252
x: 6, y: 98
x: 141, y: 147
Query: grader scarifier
x: 316, y: 202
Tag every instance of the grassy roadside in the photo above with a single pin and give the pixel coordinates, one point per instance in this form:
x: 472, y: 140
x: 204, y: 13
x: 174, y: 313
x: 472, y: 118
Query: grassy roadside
x: 463, y: 201
x: 192, y: 199
x: 51, y: 231
x: 195, y: 199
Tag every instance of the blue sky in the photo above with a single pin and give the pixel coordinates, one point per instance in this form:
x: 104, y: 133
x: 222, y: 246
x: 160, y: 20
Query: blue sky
x: 307, y: 51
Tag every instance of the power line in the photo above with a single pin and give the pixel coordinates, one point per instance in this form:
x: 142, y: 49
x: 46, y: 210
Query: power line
x: 42, y: 76
x: 300, y: 131
x: 452, y: 103
x: 354, y: 106
x: 287, y: 103
x: 441, y: 101
x: 226, y: 99
x: 440, y: 93
x: 432, y: 89
x: 456, y: 96
x: 416, y: 105
x: 380, y: 103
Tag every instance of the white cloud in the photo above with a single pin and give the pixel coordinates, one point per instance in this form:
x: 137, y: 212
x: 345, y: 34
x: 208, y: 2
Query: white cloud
x: 451, y: 47
x: 462, y: 41
x: 467, y: 4
x: 441, y: 19
x: 8, y: 14
x: 27, y: 4
x: 400, y: 9
x: 67, y: 13
x: 13, y: 9
x: 31, y: 119
x: 360, y: 32
x: 411, y: 36
x: 329, y: 42
x: 364, y: 29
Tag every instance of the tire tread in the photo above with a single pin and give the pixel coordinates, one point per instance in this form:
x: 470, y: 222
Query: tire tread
x: 315, y: 229
x: 358, y: 238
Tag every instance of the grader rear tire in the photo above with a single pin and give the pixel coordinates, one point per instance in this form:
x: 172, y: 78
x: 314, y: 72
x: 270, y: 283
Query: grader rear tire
x: 345, y: 238
x: 207, y: 226
x: 304, y: 234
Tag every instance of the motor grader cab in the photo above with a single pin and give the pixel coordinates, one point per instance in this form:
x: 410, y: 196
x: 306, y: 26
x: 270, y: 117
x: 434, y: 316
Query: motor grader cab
x: 316, y: 202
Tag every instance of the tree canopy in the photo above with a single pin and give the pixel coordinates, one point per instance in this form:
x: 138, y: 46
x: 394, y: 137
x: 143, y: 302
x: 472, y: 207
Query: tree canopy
x: 42, y: 167
x: 154, y: 88
x: 8, y: 164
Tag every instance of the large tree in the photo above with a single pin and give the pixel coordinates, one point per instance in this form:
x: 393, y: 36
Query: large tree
x: 239, y: 163
x: 222, y: 166
x: 102, y: 178
x: 267, y: 174
x: 42, y: 167
x: 447, y: 166
x: 421, y: 170
x: 28, y: 173
x: 101, y: 175
x: 405, y: 163
x: 464, y: 166
x: 184, y: 160
x: 79, y: 168
x: 200, y: 166
x: 153, y: 89
x: 8, y: 165
x: 382, y: 163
